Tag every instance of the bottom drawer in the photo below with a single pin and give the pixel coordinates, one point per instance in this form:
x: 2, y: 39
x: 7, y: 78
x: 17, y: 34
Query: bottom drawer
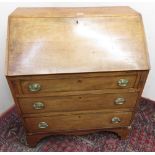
x: 78, y: 121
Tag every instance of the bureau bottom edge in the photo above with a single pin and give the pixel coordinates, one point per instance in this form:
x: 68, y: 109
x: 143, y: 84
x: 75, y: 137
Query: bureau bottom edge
x: 79, y: 132
x: 33, y: 138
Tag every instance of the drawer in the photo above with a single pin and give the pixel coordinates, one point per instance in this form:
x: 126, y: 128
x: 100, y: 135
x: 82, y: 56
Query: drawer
x: 41, y: 85
x: 78, y: 102
x: 78, y: 121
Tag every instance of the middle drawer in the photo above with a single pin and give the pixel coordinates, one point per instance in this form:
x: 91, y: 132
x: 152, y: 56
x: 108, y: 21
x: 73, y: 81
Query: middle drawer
x: 77, y: 102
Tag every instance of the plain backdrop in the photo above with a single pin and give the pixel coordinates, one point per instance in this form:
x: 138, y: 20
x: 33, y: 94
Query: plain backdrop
x: 146, y: 9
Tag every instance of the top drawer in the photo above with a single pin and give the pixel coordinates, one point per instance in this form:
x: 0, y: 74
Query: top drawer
x: 76, y: 83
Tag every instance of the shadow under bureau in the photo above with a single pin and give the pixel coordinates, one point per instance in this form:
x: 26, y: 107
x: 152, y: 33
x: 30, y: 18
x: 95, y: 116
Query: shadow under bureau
x: 76, y: 70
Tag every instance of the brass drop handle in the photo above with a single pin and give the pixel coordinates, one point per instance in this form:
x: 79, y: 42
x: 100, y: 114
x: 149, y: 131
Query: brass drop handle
x: 34, y: 87
x: 123, y: 82
x: 115, y: 120
x: 38, y: 105
x: 119, y: 101
x: 42, y: 125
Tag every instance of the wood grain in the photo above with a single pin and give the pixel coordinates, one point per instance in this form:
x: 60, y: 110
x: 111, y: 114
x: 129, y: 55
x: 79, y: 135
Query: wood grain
x: 77, y: 84
x: 95, y: 120
x: 77, y: 103
x: 92, y: 44
x: 73, y: 12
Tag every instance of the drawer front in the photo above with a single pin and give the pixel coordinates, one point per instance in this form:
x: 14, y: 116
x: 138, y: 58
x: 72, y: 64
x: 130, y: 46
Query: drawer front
x: 79, y: 102
x: 76, y: 84
x: 83, y: 121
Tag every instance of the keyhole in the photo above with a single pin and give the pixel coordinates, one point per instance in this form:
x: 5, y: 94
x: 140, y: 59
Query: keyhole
x: 79, y: 81
x: 77, y: 22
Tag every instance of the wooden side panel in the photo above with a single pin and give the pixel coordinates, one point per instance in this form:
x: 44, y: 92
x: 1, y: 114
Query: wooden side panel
x: 14, y: 90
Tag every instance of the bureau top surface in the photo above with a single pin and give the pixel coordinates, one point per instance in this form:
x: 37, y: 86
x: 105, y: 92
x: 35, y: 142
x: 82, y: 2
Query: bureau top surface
x: 75, y: 40
x: 73, y: 12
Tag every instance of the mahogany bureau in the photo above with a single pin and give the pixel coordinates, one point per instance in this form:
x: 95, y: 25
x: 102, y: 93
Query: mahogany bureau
x: 76, y: 70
